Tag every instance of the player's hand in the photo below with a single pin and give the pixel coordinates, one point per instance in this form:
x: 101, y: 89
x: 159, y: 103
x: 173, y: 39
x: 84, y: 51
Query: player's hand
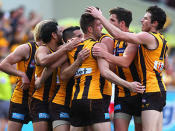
x: 83, y: 54
x: 37, y: 83
x: 137, y: 87
x: 98, y: 52
x: 25, y: 82
x: 73, y: 43
x: 94, y: 12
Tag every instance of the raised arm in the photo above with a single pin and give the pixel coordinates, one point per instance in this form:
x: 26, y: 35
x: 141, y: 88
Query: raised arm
x: 140, y: 38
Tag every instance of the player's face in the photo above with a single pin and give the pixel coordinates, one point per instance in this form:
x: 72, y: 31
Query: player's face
x: 113, y: 20
x: 59, y: 35
x: 146, y: 22
x: 97, y: 28
x: 78, y: 33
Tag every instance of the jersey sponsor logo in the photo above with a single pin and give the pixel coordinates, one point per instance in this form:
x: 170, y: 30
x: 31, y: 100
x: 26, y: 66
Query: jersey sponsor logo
x: 158, y: 66
x: 18, y: 116
x: 43, y: 116
x: 64, y: 115
x: 107, y: 116
x: 120, y: 50
x: 82, y: 71
x: 117, y: 107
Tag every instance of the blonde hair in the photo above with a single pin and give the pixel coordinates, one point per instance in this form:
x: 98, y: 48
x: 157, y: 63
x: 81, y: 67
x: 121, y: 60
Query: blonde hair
x: 37, y: 29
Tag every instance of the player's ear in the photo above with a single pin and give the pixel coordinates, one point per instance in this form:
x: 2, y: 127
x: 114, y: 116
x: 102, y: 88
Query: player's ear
x: 90, y: 29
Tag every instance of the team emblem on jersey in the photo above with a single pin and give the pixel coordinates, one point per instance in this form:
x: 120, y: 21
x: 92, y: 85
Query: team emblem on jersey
x: 158, y: 66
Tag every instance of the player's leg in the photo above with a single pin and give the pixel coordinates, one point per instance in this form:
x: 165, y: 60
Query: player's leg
x: 121, y: 121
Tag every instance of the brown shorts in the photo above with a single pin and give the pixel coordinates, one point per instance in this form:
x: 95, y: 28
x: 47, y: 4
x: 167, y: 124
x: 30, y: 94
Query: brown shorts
x: 85, y: 112
x: 39, y: 110
x: 59, y: 112
x: 130, y: 105
x: 19, y: 113
x: 154, y: 101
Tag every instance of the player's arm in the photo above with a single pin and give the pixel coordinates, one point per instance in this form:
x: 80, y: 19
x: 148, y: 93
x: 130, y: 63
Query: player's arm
x: 109, y: 42
x: 48, y: 71
x: 166, y: 62
x: 109, y: 75
x: 140, y: 38
x: 122, y: 61
x: 22, y: 52
x: 45, y: 59
x: 70, y: 71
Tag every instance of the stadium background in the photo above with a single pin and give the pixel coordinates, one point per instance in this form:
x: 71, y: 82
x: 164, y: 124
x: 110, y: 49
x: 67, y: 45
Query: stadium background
x: 68, y: 12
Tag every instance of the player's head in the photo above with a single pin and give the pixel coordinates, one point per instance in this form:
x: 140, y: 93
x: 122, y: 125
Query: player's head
x: 50, y: 31
x: 90, y: 25
x: 37, y: 29
x: 157, y: 14
x: 119, y: 15
x: 71, y: 32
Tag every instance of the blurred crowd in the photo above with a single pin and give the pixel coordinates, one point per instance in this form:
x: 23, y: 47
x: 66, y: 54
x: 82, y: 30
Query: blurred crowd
x: 15, y: 29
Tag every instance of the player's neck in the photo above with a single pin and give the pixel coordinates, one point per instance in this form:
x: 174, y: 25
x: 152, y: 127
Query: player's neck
x: 125, y: 29
x: 88, y: 36
x: 154, y: 30
x: 52, y: 45
x: 39, y: 43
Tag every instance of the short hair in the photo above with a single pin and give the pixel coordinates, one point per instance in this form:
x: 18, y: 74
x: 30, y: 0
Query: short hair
x: 122, y: 15
x: 86, y: 20
x: 37, y: 30
x: 157, y: 14
x: 68, y: 32
x: 47, y: 29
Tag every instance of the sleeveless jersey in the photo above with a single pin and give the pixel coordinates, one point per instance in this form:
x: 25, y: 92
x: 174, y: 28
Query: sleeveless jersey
x: 129, y: 74
x: 88, y: 82
x: 63, y: 91
x: 28, y: 66
x: 45, y: 93
x: 151, y: 64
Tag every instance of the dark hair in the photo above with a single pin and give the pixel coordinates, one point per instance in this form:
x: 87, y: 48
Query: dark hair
x: 157, y: 14
x: 47, y: 30
x: 86, y: 20
x: 68, y: 32
x: 122, y: 15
